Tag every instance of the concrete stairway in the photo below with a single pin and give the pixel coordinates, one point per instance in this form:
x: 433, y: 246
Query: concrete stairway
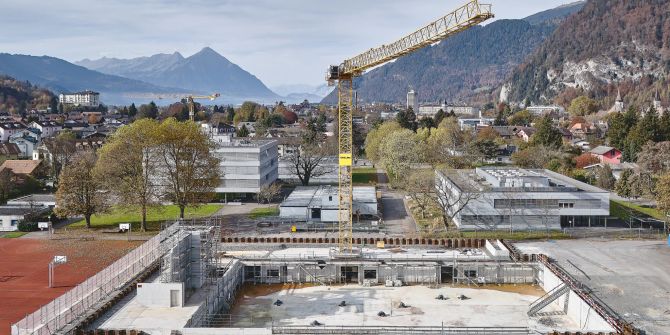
x: 547, y: 299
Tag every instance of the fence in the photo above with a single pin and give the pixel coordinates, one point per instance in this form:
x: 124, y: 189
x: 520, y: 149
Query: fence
x: 72, y: 305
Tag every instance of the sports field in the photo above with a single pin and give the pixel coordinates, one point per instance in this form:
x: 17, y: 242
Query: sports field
x: 24, y: 271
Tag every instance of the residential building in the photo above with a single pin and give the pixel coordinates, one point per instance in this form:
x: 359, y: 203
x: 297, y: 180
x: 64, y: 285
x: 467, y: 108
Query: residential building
x: 84, y: 99
x: 606, y: 154
x: 9, y: 151
x: 413, y: 101
x: 510, y: 198
x: 8, y: 129
x: 581, y: 144
x: 27, y: 141
x: 39, y: 200
x: 525, y: 133
x: 22, y: 167
x: 470, y: 123
x: 320, y: 204
x: 48, y: 128
x: 584, y: 129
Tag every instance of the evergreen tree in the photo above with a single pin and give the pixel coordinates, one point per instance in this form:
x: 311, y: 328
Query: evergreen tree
x: 664, y: 126
x: 622, y: 186
x: 439, y: 116
x: 132, y: 110
x: 605, y: 178
x: 500, y: 120
x: 243, y: 131
x: 546, y: 135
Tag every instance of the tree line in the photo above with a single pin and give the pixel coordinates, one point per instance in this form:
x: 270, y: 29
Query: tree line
x: 141, y: 165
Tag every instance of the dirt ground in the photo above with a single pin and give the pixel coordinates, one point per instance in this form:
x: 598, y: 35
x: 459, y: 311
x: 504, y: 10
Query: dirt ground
x: 24, y: 271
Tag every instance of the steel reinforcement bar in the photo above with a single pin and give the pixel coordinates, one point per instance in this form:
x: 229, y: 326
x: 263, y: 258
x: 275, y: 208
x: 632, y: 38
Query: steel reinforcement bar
x: 389, y: 241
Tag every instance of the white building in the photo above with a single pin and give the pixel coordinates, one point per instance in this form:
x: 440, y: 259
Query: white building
x: 84, y: 99
x: 492, y: 198
x: 320, y: 203
x: 10, y: 216
x: 542, y: 110
x: 413, y: 101
x: 246, y: 165
x: 8, y: 129
x: 430, y: 110
x: 48, y: 128
x: 27, y: 140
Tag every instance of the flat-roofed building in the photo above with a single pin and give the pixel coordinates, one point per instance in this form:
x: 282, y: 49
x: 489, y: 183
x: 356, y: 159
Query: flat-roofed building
x: 510, y: 198
x: 320, y: 203
x: 246, y: 165
x: 84, y: 99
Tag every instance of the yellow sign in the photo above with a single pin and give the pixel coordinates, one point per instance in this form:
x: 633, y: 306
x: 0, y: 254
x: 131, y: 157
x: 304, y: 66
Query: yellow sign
x: 345, y: 160
x: 380, y: 245
x: 294, y: 229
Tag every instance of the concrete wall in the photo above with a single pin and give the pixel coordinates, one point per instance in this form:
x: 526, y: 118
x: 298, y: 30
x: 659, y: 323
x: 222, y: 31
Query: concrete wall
x: 158, y: 294
x: 576, y: 308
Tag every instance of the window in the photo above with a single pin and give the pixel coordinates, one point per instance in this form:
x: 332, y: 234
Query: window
x: 15, y: 222
x: 273, y: 273
x: 566, y: 205
x: 330, y: 198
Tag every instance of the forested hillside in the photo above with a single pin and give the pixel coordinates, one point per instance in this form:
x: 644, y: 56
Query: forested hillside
x: 607, y: 44
x: 16, y: 97
x: 469, y: 65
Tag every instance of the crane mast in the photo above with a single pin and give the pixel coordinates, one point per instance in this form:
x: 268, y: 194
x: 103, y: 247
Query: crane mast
x: 464, y: 17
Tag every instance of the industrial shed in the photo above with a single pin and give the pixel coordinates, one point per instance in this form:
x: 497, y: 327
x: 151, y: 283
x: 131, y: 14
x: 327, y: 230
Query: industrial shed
x: 320, y: 203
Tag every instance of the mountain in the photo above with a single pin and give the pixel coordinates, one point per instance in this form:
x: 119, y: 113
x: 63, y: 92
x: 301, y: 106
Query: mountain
x: 20, y: 96
x: 62, y: 76
x: 204, y: 72
x: 297, y: 93
x: 556, y: 15
x: 608, y: 45
x: 466, y: 67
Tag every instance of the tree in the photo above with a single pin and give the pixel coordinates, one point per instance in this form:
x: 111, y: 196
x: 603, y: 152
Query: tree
x: 243, y: 131
x: 189, y: 170
x: 585, y: 160
x: 407, y: 119
x: 546, y: 135
x: 132, y: 110
x: 605, y: 178
x: 420, y: 187
x: 7, y: 184
x: 484, y: 148
x: 427, y: 122
x: 655, y: 157
x: 439, y: 116
x: 61, y: 108
x: 129, y: 163
x: 62, y: 149
x: 307, y: 161
x: 583, y: 105
x: 80, y: 190
x: 148, y: 111
x: 663, y: 193
x: 451, y: 199
x: 535, y: 157
x: 620, y: 127
x: 399, y: 152
x: 449, y: 145
x: 622, y: 186
x: 268, y: 193
x: 375, y: 138
x: 522, y: 118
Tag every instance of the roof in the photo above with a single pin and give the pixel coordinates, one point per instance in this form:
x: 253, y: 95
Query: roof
x: 311, y: 196
x: 12, y: 125
x: 9, y: 149
x: 601, y: 150
x: 24, y: 167
x: 20, y: 210
x: 36, y: 198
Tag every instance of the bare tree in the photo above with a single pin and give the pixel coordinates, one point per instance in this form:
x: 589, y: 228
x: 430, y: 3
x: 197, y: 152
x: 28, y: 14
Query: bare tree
x: 269, y: 193
x: 61, y: 150
x: 452, y: 197
x: 80, y: 190
x: 420, y: 187
x: 307, y: 162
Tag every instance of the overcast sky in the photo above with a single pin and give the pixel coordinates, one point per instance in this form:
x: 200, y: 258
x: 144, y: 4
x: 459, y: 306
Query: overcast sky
x: 279, y: 41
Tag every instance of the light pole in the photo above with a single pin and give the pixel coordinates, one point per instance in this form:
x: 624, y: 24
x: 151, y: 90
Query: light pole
x: 58, y: 260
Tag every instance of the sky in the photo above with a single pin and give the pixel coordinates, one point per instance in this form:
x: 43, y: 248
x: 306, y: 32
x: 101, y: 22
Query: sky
x: 279, y: 41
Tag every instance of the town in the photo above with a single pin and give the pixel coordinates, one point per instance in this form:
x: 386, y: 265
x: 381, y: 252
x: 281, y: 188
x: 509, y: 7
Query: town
x: 529, y: 200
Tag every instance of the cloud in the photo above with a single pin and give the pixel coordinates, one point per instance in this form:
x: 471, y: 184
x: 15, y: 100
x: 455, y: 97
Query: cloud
x: 280, y: 41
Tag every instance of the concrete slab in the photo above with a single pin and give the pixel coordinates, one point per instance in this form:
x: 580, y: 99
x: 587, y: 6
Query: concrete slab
x: 485, y: 308
x: 632, y: 277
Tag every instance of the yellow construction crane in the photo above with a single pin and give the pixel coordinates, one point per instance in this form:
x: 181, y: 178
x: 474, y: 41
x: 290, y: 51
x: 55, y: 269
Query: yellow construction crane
x: 188, y: 97
x: 466, y: 16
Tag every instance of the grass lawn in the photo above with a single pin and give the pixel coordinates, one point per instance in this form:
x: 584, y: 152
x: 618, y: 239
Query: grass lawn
x: 263, y: 212
x: 364, y: 175
x: 14, y: 234
x: 155, y: 217
x: 621, y: 210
